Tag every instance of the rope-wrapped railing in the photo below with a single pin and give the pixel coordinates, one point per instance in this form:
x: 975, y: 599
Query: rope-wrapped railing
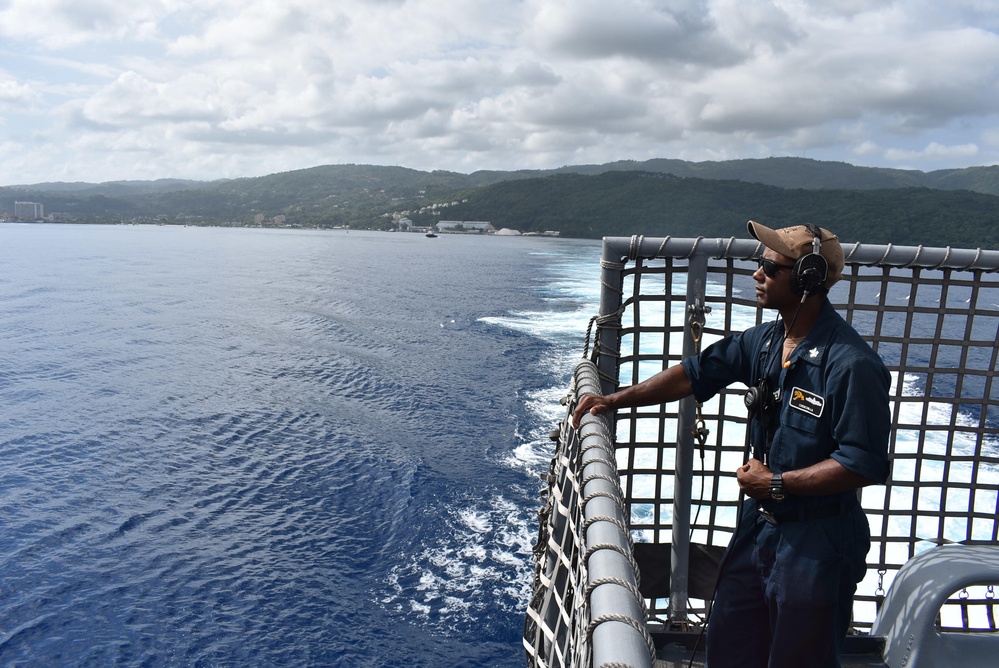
x: 587, y: 609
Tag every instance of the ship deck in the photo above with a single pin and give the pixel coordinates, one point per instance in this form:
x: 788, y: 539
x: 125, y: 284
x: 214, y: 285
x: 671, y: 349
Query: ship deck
x: 674, y: 650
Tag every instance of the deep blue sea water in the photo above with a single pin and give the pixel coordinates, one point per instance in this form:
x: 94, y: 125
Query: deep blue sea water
x: 241, y: 447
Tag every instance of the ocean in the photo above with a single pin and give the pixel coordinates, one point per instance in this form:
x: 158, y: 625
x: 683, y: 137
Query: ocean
x: 249, y: 447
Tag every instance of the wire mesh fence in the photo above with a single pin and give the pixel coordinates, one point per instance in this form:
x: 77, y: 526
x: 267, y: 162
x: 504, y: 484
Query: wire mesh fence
x: 932, y: 315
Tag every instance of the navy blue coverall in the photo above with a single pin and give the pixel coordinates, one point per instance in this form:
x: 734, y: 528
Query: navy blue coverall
x: 785, y: 592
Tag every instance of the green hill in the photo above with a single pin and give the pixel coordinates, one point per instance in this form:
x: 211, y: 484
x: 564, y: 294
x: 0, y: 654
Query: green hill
x: 626, y: 203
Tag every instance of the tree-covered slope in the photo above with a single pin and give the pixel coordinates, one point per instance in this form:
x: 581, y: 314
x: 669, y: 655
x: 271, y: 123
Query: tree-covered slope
x: 625, y: 203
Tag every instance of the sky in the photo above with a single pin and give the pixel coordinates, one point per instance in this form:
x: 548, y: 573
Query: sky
x: 107, y: 90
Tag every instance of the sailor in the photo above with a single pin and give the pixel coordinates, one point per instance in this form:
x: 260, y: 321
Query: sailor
x: 819, y: 430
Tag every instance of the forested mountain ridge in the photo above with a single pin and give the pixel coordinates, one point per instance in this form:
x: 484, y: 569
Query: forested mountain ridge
x: 655, y: 197
x: 626, y: 203
x: 780, y: 172
x: 813, y: 174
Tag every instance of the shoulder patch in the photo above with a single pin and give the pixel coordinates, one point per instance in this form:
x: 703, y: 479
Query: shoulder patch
x: 807, y: 402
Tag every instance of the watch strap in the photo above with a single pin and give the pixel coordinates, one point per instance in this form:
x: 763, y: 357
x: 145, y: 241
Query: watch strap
x: 777, y: 492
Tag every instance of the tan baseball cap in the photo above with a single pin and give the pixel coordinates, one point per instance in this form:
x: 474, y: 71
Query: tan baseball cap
x: 796, y: 242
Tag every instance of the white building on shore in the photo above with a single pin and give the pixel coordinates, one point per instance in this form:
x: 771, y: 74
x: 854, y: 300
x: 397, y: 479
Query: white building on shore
x: 465, y: 227
x: 29, y: 211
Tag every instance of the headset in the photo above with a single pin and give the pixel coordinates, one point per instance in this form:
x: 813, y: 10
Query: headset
x: 810, y: 271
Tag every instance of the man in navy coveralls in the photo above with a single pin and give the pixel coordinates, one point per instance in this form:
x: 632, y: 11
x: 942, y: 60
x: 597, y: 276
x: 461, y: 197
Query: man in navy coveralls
x: 819, y: 431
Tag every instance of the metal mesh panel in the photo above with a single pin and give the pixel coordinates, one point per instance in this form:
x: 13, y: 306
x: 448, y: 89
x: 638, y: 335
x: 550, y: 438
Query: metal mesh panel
x: 652, y: 334
x: 933, y: 316
x: 937, y: 331
x: 552, y: 634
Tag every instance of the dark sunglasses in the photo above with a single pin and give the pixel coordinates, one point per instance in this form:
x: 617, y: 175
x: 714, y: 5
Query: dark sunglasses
x: 770, y: 268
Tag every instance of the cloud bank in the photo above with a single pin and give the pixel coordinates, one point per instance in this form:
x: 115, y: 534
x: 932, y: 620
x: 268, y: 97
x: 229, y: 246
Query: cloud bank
x: 99, y: 90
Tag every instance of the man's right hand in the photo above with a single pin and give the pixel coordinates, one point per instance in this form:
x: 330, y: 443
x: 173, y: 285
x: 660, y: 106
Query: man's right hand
x: 669, y: 385
x: 590, y: 403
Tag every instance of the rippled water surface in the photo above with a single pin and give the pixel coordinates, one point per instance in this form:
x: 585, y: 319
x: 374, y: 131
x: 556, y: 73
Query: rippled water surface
x: 258, y: 448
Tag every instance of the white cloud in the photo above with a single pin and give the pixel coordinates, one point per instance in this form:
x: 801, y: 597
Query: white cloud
x: 56, y: 24
x: 12, y: 92
x: 210, y: 88
x: 934, y: 151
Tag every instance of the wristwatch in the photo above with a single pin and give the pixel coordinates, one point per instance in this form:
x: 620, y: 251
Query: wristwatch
x: 777, y: 492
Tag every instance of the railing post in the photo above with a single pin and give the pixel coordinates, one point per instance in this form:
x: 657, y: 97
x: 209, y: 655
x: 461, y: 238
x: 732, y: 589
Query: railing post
x: 609, y: 325
x: 683, y: 480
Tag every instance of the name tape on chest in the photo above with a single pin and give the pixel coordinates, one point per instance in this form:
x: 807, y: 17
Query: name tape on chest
x: 807, y: 402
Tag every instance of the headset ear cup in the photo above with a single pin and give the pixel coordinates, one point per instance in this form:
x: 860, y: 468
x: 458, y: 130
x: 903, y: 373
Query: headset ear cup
x: 809, y: 273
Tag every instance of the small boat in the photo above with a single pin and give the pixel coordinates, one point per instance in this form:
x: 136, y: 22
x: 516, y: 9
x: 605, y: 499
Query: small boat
x: 431, y: 235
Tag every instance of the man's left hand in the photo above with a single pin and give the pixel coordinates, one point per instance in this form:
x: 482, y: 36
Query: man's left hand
x: 754, y: 479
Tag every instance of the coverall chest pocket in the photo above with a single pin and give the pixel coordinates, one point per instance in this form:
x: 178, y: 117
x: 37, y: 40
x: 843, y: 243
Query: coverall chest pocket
x: 803, y: 440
